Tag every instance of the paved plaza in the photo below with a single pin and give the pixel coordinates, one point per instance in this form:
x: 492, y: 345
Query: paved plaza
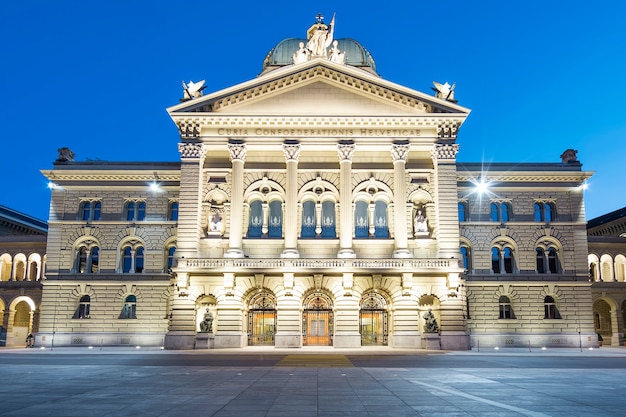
x: 254, y: 382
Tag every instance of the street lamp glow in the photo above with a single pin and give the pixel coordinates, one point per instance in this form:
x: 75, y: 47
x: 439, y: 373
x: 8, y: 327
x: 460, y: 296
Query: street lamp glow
x: 482, y: 187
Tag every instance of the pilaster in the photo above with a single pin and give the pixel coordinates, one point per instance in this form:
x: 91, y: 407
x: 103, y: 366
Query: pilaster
x: 446, y: 198
x: 192, y: 158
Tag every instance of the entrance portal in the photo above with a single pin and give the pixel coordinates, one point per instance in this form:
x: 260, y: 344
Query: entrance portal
x: 317, y: 320
x: 373, y: 319
x: 317, y: 327
x: 373, y: 327
x: 262, y: 325
x: 262, y: 319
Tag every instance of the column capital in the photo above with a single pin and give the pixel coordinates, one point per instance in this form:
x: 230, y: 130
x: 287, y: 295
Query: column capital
x: 445, y: 152
x: 291, y: 151
x: 346, y: 151
x: 237, y: 151
x: 400, y: 152
x: 191, y: 150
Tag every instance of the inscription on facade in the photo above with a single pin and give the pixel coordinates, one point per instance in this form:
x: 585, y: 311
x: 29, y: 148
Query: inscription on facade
x: 280, y: 132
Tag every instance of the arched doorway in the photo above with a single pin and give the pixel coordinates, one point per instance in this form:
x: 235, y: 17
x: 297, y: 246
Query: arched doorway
x: 603, y: 323
x: 373, y: 320
x: 20, y: 325
x: 317, y: 320
x: 262, y: 319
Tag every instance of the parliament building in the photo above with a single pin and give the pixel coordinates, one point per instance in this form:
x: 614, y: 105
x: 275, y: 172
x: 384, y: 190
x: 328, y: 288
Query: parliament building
x: 317, y: 204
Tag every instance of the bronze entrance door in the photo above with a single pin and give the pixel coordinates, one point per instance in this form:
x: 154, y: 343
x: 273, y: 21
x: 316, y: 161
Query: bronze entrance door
x: 317, y: 327
x: 373, y: 324
x: 262, y: 327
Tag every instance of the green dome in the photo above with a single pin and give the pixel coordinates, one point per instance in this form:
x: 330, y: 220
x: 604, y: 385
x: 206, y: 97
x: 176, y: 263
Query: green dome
x: 355, y: 54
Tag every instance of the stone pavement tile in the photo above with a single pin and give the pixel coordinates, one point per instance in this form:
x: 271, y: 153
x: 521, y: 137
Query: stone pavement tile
x: 296, y: 400
x: 391, y: 411
x: 291, y: 410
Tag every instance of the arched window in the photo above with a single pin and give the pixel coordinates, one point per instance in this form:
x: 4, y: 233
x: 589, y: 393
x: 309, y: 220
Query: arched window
x: 381, y: 230
x: 309, y: 219
x: 544, y: 212
x: 275, y: 229
x: 500, y: 212
x: 129, y: 309
x: 255, y: 223
x: 328, y: 220
x: 127, y: 260
x: 466, y: 255
x: 130, y: 211
x: 86, y: 210
x: 139, y: 259
x: 506, y: 311
x: 502, y: 260
x: 508, y: 260
x: 135, y: 211
x: 553, y: 261
x: 548, y: 212
x: 495, y: 260
x: 494, y: 215
x: 361, y: 223
x: 141, y: 211
x: 541, y: 261
x: 81, y: 266
x: 170, y: 257
x: 97, y: 209
x: 550, y: 309
x: 462, y: 212
x: 82, y: 312
x: 132, y: 259
x: 505, y: 210
x: 172, y: 214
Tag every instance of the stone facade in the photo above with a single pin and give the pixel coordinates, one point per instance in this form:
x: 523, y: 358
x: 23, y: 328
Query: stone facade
x: 317, y: 204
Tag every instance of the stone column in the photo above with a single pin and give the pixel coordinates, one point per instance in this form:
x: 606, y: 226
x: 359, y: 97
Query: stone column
x: 292, y: 153
x: 235, y: 238
x: 399, y: 154
x: 346, y: 152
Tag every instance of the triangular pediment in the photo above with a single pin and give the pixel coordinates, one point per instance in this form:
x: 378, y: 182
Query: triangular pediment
x: 319, y: 87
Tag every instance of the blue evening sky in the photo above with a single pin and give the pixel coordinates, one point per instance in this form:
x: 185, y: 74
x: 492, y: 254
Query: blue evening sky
x: 539, y: 76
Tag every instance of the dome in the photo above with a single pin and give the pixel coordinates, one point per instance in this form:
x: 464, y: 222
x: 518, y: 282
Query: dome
x: 355, y: 54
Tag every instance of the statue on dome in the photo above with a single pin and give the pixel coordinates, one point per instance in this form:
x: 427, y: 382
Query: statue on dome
x: 336, y: 55
x: 301, y: 55
x: 321, y: 38
x: 444, y: 91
